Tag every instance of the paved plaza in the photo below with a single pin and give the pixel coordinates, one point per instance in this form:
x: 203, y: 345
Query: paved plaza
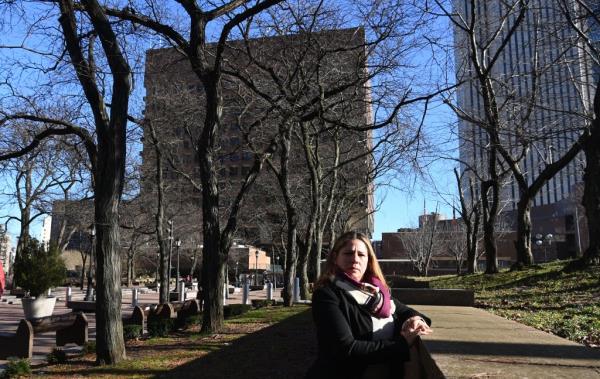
x: 467, y: 343
x: 11, y: 312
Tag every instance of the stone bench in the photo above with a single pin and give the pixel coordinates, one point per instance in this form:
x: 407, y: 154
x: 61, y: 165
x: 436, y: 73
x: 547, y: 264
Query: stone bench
x: 179, y: 310
x: 69, y: 328
x: 137, y: 317
x: 435, y: 296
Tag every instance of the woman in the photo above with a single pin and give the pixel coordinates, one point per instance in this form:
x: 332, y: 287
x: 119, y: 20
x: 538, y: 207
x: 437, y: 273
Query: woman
x: 361, y: 331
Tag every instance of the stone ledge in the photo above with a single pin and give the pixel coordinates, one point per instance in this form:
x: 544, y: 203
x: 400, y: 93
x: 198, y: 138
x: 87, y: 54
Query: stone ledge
x: 82, y: 305
x: 472, y: 343
x: 434, y: 296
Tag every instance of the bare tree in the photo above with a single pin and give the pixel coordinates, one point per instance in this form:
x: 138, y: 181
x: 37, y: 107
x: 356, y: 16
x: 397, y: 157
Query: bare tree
x: 206, y: 63
x: 584, y: 20
x: 325, y: 78
x: 421, y: 244
x: 106, y: 157
x: 514, y: 103
x: 470, y: 213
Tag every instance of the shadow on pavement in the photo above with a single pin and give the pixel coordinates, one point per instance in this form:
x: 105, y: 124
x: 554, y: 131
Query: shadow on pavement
x: 515, y: 349
x: 283, y: 350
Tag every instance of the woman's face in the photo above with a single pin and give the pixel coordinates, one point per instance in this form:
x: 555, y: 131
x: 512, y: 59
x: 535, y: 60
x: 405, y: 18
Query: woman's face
x: 353, y: 258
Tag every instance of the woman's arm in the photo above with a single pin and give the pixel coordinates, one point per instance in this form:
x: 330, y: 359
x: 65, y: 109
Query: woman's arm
x: 404, y: 312
x: 335, y: 334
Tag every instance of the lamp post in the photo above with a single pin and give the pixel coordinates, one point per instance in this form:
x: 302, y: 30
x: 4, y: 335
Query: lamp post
x: 236, y: 273
x: 539, y: 240
x: 177, y: 245
x: 89, y: 294
x: 274, y: 273
x: 256, y: 269
x: 157, y: 280
x: 170, y: 238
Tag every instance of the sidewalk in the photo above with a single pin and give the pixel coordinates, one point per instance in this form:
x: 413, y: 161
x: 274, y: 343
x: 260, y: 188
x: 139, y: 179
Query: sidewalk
x: 472, y: 343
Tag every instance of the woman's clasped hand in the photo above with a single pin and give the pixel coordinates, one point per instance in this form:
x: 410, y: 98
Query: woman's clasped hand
x: 413, y: 327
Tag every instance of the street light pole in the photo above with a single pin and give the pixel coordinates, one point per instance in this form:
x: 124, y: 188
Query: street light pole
x: 256, y: 269
x: 236, y: 273
x: 170, y: 238
x: 539, y: 240
x: 274, y: 273
x: 178, y: 245
x: 89, y: 295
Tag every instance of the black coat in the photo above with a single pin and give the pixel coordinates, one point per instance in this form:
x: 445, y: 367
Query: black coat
x: 345, y: 336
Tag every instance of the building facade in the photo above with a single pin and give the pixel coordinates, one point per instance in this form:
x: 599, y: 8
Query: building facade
x: 543, y: 85
x: 174, y: 109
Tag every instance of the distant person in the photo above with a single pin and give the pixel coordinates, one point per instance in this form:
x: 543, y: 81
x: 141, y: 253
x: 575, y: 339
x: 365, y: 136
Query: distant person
x: 361, y: 331
x: 2, y: 280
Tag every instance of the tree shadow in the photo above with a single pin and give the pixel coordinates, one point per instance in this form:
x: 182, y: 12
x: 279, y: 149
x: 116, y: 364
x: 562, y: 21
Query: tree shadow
x: 282, y: 350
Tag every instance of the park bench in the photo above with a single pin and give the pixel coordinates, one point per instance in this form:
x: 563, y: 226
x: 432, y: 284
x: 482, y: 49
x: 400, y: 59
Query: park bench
x: 138, y: 316
x: 179, y: 310
x: 69, y: 328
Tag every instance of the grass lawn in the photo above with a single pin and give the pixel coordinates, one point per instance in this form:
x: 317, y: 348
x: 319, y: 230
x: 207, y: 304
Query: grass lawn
x: 267, y: 342
x: 545, y: 297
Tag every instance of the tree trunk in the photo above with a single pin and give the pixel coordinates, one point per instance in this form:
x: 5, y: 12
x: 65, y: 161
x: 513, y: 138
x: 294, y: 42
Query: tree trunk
x: 215, y: 252
x: 489, y: 239
x: 213, y: 280
x: 524, y: 255
x: 316, y: 256
x: 194, y: 263
x: 129, y: 270
x: 591, y: 192
x: 303, y: 260
x: 471, y: 250
x: 110, y: 347
x: 83, y: 261
x: 163, y: 296
x: 291, y: 261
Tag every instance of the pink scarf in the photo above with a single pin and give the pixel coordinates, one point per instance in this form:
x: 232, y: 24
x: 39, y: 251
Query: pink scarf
x: 385, y: 309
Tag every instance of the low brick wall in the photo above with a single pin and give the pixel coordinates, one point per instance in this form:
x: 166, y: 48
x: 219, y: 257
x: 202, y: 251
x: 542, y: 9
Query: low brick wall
x: 434, y: 296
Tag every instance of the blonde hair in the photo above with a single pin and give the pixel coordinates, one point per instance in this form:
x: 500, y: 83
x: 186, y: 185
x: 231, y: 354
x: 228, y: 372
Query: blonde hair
x: 373, y: 268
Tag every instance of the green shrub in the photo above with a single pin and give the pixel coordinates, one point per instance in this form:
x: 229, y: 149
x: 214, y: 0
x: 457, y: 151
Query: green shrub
x: 37, y: 270
x: 160, y: 327
x: 188, y: 322
x: 57, y: 356
x: 89, y: 347
x: 259, y: 303
x: 235, y: 310
x: 16, y: 367
x: 132, y: 332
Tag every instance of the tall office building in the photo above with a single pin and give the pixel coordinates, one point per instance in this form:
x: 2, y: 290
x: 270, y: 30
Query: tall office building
x: 543, y: 64
x: 544, y: 56
x: 174, y: 107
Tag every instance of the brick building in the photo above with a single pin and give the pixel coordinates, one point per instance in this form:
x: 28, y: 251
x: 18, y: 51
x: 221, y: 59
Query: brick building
x: 174, y: 107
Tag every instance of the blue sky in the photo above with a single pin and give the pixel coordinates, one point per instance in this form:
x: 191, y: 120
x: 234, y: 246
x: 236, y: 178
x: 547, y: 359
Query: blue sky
x: 434, y: 189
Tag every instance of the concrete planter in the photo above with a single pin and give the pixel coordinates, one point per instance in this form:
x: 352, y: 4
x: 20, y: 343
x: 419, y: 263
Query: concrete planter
x: 38, y: 307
